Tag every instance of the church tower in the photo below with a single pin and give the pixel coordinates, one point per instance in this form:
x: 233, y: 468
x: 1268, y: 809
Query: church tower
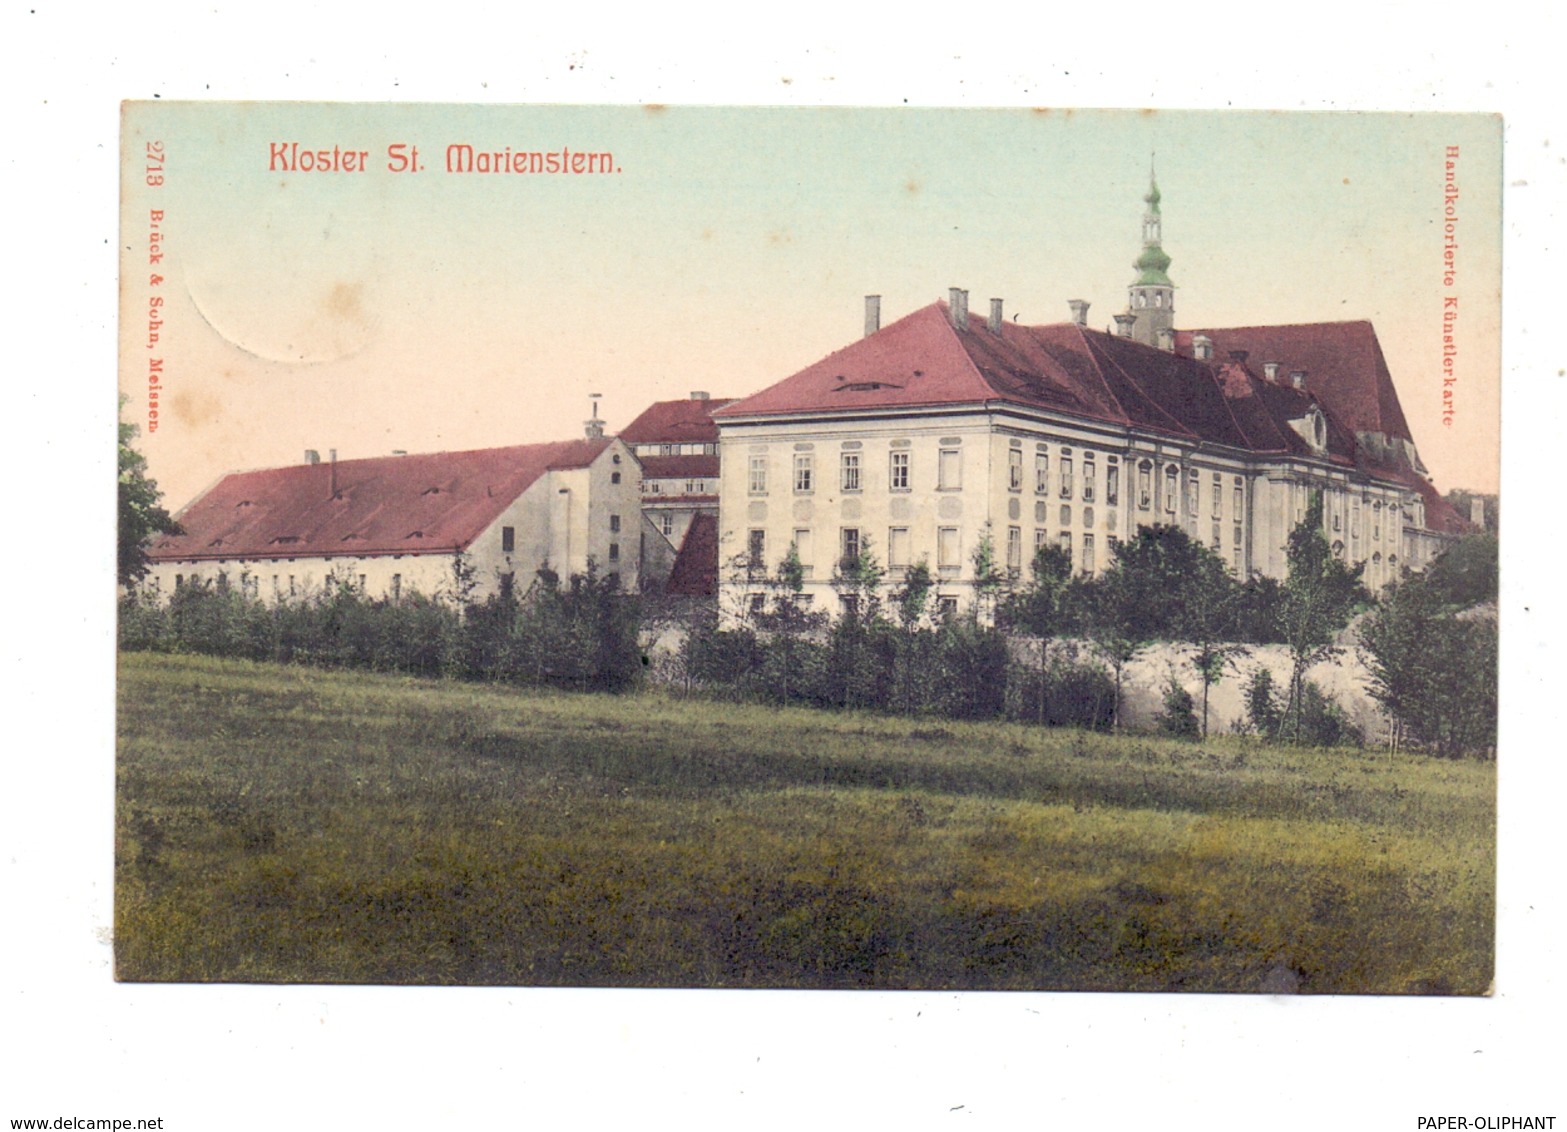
x: 1151, y: 297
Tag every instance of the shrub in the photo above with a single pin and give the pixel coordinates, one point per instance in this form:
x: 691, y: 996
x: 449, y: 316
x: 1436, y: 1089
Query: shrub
x: 1179, y: 717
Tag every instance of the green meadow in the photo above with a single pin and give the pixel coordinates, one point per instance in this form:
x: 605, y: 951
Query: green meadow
x: 285, y: 824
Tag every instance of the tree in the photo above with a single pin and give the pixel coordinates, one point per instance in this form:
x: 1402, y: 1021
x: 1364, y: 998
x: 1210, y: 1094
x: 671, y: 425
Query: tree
x: 142, y: 514
x: 1320, y: 595
x: 789, y: 622
x: 1433, y: 668
x: 1039, y: 609
x: 988, y: 578
x: 1205, y: 618
x: 1466, y: 573
x: 1161, y: 585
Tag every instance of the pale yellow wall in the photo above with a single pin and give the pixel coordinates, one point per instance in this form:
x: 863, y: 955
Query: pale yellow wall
x: 1272, y: 498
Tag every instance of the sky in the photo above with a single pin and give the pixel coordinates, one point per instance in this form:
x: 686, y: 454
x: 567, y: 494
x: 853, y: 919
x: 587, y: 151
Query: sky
x: 369, y: 311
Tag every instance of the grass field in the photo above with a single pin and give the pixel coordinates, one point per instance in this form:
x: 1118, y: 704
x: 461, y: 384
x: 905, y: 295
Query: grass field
x: 288, y: 824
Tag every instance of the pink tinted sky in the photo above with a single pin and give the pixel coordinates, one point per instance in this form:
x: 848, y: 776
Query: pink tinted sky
x: 375, y: 311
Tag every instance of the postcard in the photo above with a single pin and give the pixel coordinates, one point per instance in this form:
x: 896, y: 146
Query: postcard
x: 808, y: 548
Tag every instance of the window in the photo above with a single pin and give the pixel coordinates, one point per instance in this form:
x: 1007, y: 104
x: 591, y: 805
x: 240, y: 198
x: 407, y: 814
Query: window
x: 1039, y: 539
x: 947, y: 606
x: 850, y: 546
x: 693, y: 487
x: 667, y: 450
x: 1064, y: 539
x: 397, y: 586
x: 898, y: 472
x: 666, y: 524
x: 1089, y: 476
x: 802, y: 549
x: 1066, y: 474
x: 1376, y: 521
x: 898, y: 548
x: 1193, y: 492
x: 291, y: 590
x: 949, y: 470
x: 1217, y: 541
x: 1145, y: 485
x: 1015, y: 546
x: 508, y: 539
x: 804, y: 473
x: 1240, y: 498
x: 1236, y: 539
x: 948, y: 551
x: 656, y: 487
x: 1088, y: 554
x: 361, y: 583
x: 1170, y: 488
x: 1041, y: 473
x: 1113, y: 483
x: 757, y: 602
x: 756, y: 549
x: 758, y: 477
x: 614, y: 477
x: 849, y: 464
x: 179, y: 581
x: 508, y: 582
x: 1014, y: 469
x: 1066, y: 514
x: 614, y: 522
x: 1218, y: 495
x: 614, y: 552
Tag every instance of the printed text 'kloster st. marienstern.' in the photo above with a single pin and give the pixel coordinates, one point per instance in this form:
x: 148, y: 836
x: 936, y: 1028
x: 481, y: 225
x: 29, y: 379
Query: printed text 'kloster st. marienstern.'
x: 458, y: 157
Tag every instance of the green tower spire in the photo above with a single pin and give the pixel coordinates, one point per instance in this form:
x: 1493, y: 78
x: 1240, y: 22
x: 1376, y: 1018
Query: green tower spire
x: 1151, y: 296
x: 1154, y: 261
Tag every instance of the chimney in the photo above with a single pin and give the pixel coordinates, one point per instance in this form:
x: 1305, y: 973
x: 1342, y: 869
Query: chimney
x: 1270, y: 370
x: 1298, y: 378
x: 312, y: 456
x: 995, y: 317
x: 399, y: 452
x: 1477, y: 510
x: 1239, y: 356
x: 1124, y: 324
x: 333, y: 454
x: 698, y: 395
x: 957, y: 307
x: 1079, y: 311
x: 872, y: 314
x: 1202, y: 347
x: 1164, y: 338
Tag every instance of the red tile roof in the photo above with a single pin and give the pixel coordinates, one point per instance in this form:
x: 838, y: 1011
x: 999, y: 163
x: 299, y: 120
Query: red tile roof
x: 432, y: 503
x: 1441, y: 516
x: 676, y: 422
x: 696, y: 566
x: 922, y: 360
x: 1343, y: 363
x: 679, y: 467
